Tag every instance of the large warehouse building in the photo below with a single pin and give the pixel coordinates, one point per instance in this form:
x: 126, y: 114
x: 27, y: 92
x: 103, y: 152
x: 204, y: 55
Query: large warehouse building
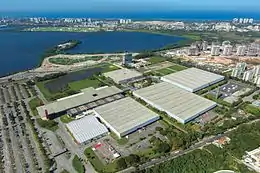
x: 86, y: 129
x: 125, y: 116
x: 192, y: 79
x: 178, y: 103
x: 87, y: 99
x: 123, y: 75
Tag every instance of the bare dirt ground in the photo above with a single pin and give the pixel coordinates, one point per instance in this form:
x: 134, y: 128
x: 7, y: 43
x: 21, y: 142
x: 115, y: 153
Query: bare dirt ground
x: 225, y: 60
x: 160, y: 66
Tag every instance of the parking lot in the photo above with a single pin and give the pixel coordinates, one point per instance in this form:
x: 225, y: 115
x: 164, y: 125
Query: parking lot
x: 139, y: 140
x: 18, y: 150
x: 13, y: 92
x: 228, y: 89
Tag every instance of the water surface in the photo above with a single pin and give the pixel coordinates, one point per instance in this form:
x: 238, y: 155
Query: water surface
x: 21, y: 51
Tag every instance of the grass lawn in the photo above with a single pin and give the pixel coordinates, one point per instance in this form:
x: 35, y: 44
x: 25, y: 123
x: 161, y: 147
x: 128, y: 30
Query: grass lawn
x: 156, y: 59
x: 47, y: 94
x: 191, y: 36
x: 62, y: 61
x: 66, y: 119
x: 169, y: 70
x: 73, y: 86
x: 252, y: 109
x: 78, y: 166
x: 156, y: 73
x: 70, y: 61
x: 164, y: 71
x: 97, y: 164
x: 164, y: 123
x: 44, y: 90
x: 120, y: 141
x: 48, y: 124
x: 71, y: 134
x: 109, y: 67
x: 34, y: 103
x: 178, y: 67
x: 76, y: 86
x: 218, y: 100
x: 149, y: 153
x: 94, y: 160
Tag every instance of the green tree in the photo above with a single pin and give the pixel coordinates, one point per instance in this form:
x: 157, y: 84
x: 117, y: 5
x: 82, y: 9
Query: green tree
x: 132, y: 159
x: 163, y: 147
x: 158, y: 128
x: 121, y: 163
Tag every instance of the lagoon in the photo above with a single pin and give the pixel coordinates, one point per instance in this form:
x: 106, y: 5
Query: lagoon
x: 21, y: 51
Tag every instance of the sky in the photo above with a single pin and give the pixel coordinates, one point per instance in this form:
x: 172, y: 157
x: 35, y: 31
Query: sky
x: 127, y: 5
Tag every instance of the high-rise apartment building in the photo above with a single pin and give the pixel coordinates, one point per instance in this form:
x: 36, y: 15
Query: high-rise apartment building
x: 248, y: 75
x: 215, y: 49
x: 257, y: 80
x: 241, y: 50
x: 204, y: 45
x: 127, y: 59
x: 236, y: 72
x: 257, y: 70
x: 227, y: 50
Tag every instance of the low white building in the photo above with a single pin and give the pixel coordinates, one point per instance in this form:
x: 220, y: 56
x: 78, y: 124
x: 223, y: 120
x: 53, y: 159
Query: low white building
x: 252, y: 159
x: 125, y: 116
x: 86, y: 129
x: 123, y: 75
x: 178, y: 103
x: 193, y: 79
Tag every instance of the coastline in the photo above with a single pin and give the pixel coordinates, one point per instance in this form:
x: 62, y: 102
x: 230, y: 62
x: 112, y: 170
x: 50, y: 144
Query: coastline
x: 83, y: 30
x: 54, y: 51
x: 188, y: 39
x: 48, y: 68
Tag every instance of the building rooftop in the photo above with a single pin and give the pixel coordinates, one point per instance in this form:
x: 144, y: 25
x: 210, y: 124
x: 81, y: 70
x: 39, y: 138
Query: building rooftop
x: 86, y: 128
x: 256, y: 103
x: 122, y: 74
x: 125, y: 114
x: 85, y: 96
x: 178, y: 103
x: 225, y: 171
x: 255, y: 154
x: 192, y: 79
